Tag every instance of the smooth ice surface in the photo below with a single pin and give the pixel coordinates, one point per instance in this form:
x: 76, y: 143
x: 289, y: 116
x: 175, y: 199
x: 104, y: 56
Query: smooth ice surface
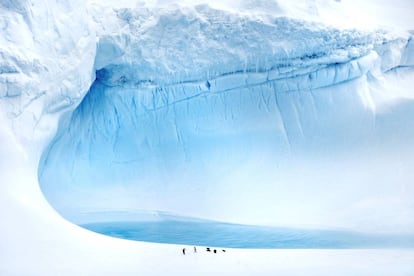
x: 182, y: 230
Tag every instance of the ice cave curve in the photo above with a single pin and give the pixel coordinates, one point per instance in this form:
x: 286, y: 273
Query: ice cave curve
x: 210, y: 114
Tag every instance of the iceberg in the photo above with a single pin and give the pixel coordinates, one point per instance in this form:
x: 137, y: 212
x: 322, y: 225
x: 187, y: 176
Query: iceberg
x: 224, y: 117
x: 267, y: 113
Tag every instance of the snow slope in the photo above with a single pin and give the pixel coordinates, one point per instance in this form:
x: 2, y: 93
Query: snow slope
x: 320, y: 103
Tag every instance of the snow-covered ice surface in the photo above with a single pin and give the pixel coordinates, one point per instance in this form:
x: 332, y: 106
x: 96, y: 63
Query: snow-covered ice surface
x: 260, y: 112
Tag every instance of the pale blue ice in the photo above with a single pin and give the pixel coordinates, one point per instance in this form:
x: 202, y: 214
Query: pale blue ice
x: 227, y: 118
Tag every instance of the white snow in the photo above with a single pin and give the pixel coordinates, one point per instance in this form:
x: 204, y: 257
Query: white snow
x: 49, y: 52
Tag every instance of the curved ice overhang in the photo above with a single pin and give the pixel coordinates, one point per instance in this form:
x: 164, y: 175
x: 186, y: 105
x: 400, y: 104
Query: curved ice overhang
x: 211, y: 50
x: 194, y: 108
x: 205, y: 44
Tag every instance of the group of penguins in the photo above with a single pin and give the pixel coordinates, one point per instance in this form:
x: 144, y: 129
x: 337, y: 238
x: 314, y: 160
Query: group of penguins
x: 208, y: 249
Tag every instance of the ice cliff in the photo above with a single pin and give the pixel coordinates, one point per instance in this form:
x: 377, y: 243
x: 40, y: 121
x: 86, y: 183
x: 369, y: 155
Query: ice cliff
x: 215, y: 113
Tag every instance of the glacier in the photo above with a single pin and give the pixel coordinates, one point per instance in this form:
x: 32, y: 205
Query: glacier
x: 257, y: 112
x: 230, y: 117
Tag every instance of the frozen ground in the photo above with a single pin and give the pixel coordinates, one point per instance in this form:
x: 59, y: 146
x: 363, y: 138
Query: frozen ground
x: 361, y: 80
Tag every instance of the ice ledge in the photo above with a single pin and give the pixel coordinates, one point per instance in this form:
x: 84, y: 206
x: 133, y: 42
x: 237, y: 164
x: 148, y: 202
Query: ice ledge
x: 207, y: 50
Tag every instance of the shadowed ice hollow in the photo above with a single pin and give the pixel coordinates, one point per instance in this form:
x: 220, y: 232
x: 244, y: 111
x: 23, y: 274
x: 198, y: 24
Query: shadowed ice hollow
x: 212, y: 114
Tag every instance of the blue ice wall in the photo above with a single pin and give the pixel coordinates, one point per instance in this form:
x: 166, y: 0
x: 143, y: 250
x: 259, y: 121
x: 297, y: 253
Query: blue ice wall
x: 290, y: 142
